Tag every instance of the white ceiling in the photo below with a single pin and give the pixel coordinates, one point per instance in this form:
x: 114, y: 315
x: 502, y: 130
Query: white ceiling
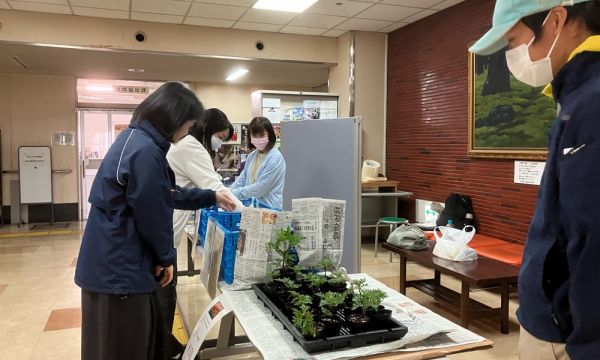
x: 325, y: 18
x: 100, y: 64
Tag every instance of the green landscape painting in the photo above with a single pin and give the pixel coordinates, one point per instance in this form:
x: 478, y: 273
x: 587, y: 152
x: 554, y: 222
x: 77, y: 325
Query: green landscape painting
x: 507, y: 114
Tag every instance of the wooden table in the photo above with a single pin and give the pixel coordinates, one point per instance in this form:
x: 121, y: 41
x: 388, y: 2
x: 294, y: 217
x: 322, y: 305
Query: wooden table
x: 381, y: 186
x: 483, y: 273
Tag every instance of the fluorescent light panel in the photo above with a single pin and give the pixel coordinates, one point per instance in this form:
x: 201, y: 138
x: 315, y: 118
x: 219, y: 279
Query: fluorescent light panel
x: 296, y: 6
x: 102, y: 88
x: 236, y: 74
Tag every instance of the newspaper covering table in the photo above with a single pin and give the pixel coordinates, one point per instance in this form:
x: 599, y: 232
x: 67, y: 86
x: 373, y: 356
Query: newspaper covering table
x: 426, y: 330
x: 320, y: 223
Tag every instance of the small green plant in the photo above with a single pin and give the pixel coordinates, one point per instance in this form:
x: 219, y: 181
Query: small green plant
x: 289, y: 284
x: 285, y: 240
x: 368, y: 299
x: 327, y: 264
x: 330, y: 302
x: 315, y: 280
x: 300, y: 300
x: 338, y: 277
x: 358, y: 285
x: 304, y: 321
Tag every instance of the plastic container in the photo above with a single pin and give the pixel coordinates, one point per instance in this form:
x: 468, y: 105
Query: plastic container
x: 450, y: 224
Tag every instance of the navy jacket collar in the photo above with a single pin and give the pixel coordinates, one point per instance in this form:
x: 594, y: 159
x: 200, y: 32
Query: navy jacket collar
x: 146, y: 127
x: 574, y: 73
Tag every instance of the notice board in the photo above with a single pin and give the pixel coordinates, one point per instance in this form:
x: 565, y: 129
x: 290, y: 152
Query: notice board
x: 35, y: 174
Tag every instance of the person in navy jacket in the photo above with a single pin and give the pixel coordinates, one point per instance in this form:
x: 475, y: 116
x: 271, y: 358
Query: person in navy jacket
x: 127, y: 246
x: 558, y: 42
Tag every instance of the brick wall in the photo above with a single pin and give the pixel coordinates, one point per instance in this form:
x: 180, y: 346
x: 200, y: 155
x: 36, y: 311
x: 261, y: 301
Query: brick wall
x: 427, y: 122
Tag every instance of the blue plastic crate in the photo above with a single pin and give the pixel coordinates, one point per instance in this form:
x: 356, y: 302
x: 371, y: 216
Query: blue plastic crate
x: 226, y: 219
x: 231, y: 231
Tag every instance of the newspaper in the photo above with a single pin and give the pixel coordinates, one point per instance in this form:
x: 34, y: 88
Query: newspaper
x: 320, y: 222
x: 426, y: 330
x: 257, y: 228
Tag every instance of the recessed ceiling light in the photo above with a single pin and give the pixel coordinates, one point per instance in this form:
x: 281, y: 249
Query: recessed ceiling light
x: 136, y: 70
x: 236, y: 74
x: 296, y: 6
x: 103, y: 88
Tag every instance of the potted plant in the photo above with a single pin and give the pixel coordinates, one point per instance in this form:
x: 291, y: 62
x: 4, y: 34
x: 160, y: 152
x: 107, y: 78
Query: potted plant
x: 282, y: 293
x: 285, y: 241
x: 329, y: 304
x: 326, y: 264
x: 337, y: 282
x: 304, y: 320
x: 364, y: 301
x: 313, y: 282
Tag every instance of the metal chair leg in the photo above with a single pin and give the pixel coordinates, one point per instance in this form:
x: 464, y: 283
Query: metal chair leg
x: 376, y: 236
x: 391, y: 230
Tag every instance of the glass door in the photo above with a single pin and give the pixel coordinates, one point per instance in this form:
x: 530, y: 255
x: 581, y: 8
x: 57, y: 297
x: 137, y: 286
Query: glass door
x: 97, y: 131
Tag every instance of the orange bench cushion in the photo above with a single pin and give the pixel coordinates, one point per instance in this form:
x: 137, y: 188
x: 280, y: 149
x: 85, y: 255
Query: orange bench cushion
x: 493, y: 248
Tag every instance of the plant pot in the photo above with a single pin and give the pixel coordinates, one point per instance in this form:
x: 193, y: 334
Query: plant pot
x: 336, y: 287
x: 382, y: 315
x: 357, y: 323
x: 287, y: 272
x: 332, y: 326
x: 320, y: 328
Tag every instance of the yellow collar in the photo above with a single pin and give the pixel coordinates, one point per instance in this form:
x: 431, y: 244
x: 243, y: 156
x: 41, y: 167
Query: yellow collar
x: 590, y: 44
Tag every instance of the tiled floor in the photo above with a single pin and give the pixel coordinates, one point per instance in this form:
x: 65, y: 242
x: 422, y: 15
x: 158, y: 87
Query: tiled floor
x: 40, y: 304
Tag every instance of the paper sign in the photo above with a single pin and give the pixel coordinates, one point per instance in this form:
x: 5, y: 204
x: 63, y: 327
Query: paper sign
x: 275, y: 115
x: 529, y: 172
x: 209, y: 318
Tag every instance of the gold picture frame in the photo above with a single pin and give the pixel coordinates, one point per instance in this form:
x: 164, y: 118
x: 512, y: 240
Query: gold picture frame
x: 510, y: 121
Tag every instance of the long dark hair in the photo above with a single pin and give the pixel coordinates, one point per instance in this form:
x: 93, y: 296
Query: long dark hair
x: 213, y: 121
x: 168, y: 108
x: 259, y: 125
x: 588, y: 12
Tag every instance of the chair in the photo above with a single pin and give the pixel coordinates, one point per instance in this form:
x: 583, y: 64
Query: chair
x: 392, y: 222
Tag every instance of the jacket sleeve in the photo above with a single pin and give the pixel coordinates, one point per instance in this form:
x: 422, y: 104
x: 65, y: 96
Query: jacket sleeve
x: 273, y: 172
x: 149, y: 196
x: 193, y: 199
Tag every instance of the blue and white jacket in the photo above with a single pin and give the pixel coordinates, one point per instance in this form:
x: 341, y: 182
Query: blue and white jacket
x: 559, y: 283
x: 130, y: 227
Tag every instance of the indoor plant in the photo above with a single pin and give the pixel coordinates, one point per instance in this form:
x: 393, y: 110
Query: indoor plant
x: 282, y: 244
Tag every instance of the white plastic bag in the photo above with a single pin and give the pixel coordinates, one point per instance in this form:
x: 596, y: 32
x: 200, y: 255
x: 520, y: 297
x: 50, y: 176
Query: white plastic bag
x: 453, y: 244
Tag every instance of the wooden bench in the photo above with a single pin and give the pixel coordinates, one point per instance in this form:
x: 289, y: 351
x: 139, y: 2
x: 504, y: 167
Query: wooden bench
x: 484, y: 272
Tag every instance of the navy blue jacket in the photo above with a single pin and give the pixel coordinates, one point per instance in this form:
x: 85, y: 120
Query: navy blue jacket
x: 559, y: 284
x: 130, y: 226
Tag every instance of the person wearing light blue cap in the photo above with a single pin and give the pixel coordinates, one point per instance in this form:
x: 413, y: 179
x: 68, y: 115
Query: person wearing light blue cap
x: 557, y: 43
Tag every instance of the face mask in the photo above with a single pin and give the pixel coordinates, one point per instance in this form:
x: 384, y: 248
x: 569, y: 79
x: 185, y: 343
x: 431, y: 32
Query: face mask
x: 215, y: 143
x: 533, y: 73
x: 260, y: 143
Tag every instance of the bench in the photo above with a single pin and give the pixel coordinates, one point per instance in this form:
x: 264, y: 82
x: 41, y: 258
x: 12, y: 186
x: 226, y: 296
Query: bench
x: 484, y: 272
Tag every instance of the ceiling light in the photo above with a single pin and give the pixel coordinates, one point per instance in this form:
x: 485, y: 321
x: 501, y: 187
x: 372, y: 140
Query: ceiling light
x: 296, y: 6
x: 236, y: 74
x: 136, y: 70
x: 91, y: 97
x: 103, y: 88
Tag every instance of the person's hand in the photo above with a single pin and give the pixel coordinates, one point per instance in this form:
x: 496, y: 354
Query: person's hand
x: 224, y: 201
x: 167, y: 274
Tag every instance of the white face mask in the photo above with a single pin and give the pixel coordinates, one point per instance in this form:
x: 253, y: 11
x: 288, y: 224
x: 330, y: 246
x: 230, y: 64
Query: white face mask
x: 215, y: 143
x: 534, y: 73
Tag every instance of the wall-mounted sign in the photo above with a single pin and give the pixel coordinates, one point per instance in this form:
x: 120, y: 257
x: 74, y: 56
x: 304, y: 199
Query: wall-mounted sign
x: 63, y: 138
x: 529, y: 172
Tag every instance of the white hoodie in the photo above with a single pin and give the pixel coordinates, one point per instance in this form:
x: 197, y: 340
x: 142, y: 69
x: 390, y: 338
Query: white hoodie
x: 193, y: 167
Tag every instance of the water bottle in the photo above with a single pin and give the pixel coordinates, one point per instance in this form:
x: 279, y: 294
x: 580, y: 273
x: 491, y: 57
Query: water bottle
x: 450, y: 224
x: 468, y: 219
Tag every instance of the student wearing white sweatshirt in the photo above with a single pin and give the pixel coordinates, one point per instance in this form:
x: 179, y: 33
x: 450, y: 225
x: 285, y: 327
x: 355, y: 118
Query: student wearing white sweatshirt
x: 191, y: 161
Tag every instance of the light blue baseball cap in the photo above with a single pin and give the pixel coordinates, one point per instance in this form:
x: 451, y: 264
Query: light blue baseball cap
x: 507, y: 14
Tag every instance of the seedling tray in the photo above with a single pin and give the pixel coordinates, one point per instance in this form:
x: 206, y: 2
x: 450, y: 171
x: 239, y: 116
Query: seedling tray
x: 390, y: 330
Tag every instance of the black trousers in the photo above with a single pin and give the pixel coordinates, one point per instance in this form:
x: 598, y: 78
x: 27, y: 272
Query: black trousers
x: 167, y: 302
x: 116, y: 327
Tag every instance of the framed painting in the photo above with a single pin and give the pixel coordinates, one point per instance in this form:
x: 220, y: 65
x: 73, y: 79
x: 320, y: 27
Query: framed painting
x: 507, y: 119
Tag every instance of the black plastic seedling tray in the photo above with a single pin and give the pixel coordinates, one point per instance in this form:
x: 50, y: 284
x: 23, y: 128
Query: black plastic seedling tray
x: 390, y: 330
